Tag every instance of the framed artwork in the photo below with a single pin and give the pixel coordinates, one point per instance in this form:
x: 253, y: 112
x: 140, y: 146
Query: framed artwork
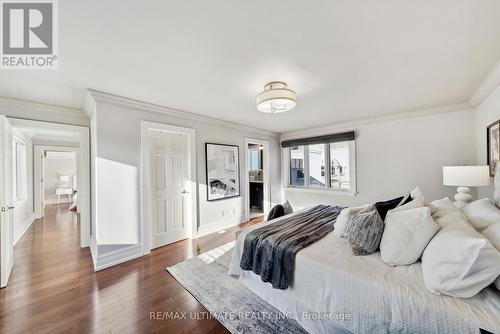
x: 223, y: 171
x: 493, y: 144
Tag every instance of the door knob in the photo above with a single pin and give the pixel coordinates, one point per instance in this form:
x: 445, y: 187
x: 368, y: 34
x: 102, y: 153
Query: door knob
x: 7, y: 208
x: 185, y: 192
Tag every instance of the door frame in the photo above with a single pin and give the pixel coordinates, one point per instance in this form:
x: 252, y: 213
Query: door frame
x: 39, y: 190
x: 7, y: 221
x: 83, y: 162
x: 267, y: 177
x: 146, y: 185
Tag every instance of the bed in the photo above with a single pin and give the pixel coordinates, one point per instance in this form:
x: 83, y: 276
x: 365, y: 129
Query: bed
x: 333, y: 291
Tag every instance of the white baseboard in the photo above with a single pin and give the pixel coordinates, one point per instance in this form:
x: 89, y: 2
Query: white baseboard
x: 27, y: 224
x: 54, y: 201
x: 219, y: 225
x: 93, y: 250
x: 106, y: 260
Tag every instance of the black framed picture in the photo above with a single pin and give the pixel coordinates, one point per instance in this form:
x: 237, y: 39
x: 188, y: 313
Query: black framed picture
x: 223, y: 171
x: 493, y: 144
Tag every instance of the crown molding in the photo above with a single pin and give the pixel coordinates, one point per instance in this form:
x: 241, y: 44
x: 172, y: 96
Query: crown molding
x: 490, y: 82
x: 155, y: 108
x: 352, y: 125
x: 35, y: 106
x: 33, y: 110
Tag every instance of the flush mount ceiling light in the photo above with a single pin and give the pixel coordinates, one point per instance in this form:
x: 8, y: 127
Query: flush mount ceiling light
x: 276, y: 97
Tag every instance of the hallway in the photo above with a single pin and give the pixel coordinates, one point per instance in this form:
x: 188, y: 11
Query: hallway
x: 50, y: 272
x: 53, y: 288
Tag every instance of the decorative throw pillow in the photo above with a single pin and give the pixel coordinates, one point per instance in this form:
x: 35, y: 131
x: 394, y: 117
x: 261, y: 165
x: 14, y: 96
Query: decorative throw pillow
x: 482, y: 214
x: 287, y: 207
x: 459, y: 261
x: 406, y: 234
x: 385, y: 206
x: 492, y: 233
x: 416, y: 203
x: 276, y: 212
x: 417, y: 194
x: 443, y: 207
x: 345, y: 215
x: 364, y: 232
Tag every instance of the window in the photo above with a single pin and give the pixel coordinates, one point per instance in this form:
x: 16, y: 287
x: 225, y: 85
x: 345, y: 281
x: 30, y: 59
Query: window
x: 254, y: 161
x: 19, y: 186
x: 329, y: 166
x: 297, y: 166
x: 339, y: 166
x: 317, y: 173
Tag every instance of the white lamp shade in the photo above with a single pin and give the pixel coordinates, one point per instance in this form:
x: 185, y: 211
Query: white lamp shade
x: 64, y: 178
x: 466, y: 176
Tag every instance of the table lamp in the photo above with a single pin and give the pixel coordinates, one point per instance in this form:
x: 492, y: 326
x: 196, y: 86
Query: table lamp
x: 464, y: 177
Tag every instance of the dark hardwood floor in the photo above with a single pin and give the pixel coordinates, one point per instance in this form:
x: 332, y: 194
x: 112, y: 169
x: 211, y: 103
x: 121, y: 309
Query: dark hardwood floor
x: 53, y: 288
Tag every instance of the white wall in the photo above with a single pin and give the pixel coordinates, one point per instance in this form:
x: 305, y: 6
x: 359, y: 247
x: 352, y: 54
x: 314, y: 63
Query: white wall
x: 486, y: 113
x: 23, y: 212
x: 395, y: 156
x: 53, y: 169
x: 118, y: 141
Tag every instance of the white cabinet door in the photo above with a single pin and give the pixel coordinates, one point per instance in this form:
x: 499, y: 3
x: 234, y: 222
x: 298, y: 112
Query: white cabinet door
x: 169, y: 173
x: 6, y: 202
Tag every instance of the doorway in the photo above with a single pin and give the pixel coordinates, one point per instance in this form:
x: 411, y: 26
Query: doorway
x: 168, y: 184
x: 257, y: 187
x: 21, y: 179
x: 56, y: 170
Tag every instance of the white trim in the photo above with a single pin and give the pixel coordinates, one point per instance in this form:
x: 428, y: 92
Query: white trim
x: 34, y: 110
x: 83, y: 168
x: 220, y: 225
x: 147, y: 189
x: 93, y: 250
x: 267, y: 177
x: 118, y: 256
x: 30, y: 220
x: 490, y: 82
x: 150, y: 107
x: 352, y: 125
x: 321, y: 191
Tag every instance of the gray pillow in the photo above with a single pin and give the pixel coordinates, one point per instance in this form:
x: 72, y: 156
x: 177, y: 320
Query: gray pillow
x: 364, y: 232
x: 287, y: 207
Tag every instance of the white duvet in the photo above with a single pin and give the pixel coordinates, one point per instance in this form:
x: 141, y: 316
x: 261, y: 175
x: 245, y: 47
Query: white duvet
x: 329, y: 279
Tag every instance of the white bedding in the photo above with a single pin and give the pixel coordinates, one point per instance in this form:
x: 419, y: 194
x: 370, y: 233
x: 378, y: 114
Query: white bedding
x: 330, y: 280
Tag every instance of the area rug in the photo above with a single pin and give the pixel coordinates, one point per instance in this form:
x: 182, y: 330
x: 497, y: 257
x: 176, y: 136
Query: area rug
x: 229, y: 301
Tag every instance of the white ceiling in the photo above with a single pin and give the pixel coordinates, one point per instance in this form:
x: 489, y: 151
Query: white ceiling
x: 345, y: 59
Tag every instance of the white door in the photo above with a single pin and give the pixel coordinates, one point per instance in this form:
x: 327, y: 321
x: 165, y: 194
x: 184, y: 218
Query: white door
x: 6, y: 202
x: 169, y: 173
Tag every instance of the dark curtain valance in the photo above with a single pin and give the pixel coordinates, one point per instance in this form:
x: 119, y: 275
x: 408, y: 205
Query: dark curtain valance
x: 332, y: 138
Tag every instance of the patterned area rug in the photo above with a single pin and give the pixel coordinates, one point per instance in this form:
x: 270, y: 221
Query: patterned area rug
x: 229, y: 301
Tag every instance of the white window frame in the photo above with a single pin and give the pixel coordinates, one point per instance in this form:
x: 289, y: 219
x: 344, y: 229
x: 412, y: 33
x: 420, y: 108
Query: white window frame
x: 327, y: 188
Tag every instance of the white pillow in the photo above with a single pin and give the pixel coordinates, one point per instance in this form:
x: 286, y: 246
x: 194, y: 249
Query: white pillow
x: 482, y: 214
x: 443, y: 206
x: 344, y: 217
x: 406, y: 234
x: 459, y: 261
x: 416, y: 203
x: 492, y: 233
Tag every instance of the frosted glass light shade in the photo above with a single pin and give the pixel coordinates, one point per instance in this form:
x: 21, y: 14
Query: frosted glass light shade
x: 64, y: 178
x: 276, y: 98
x: 467, y: 176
